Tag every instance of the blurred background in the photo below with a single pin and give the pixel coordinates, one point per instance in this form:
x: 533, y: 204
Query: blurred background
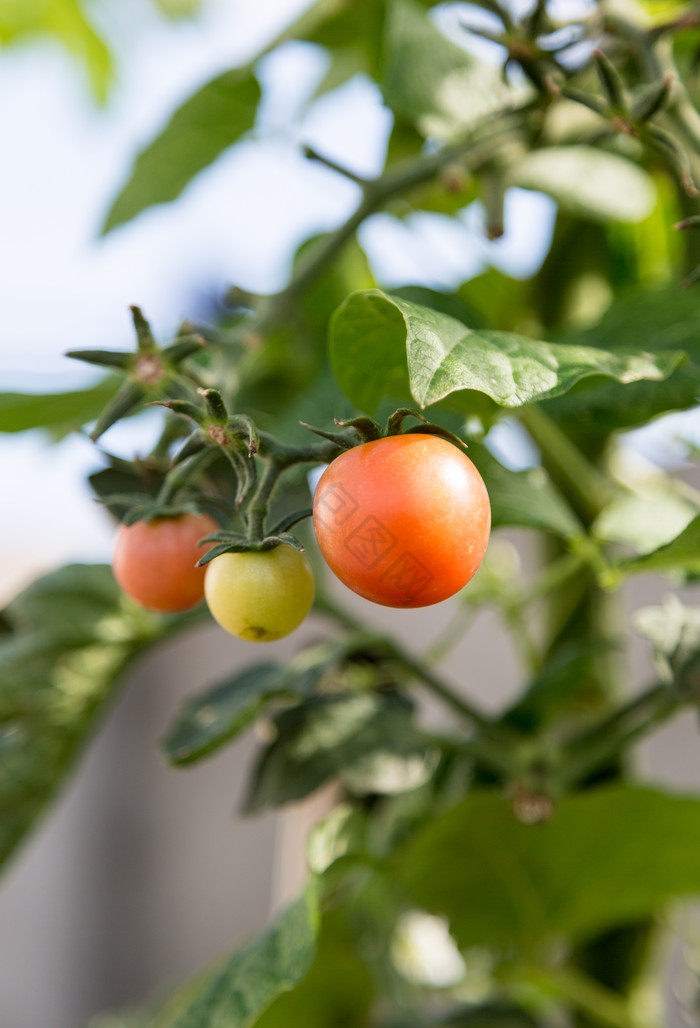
x: 142, y: 874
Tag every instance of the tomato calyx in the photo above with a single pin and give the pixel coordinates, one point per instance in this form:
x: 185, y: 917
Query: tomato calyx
x: 149, y: 369
x: 234, y: 435
x: 236, y: 542
x: 141, y: 507
x: 367, y: 430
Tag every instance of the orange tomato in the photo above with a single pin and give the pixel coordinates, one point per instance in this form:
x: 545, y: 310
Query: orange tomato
x: 154, y: 561
x: 403, y: 521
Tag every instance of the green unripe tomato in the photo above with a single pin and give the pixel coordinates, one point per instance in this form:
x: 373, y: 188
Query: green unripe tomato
x: 260, y: 596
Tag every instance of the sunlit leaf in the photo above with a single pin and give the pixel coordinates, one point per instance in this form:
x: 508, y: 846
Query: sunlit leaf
x: 589, y: 183
x: 218, y: 715
x: 383, y: 346
x: 59, y: 412
x: 210, y: 121
x: 433, y: 82
x: 644, y: 521
x: 681, y: 555
x: 674, y: 630
x: 367, y: 737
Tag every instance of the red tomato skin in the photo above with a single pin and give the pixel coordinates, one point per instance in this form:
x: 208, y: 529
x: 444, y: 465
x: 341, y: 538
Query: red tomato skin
x: 154, y: 561
x: 404, y: 521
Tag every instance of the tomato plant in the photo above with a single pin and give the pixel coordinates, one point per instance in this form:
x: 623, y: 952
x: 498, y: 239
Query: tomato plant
x: 433, y: 824
x: 154, y: 561
x: 403, y: 521
x: 260, y: 596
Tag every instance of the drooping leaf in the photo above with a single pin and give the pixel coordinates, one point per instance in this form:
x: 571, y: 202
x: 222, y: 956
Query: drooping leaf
x: 243, y: 987
x: 527, y: 499
x: 587, y: 182
x: 367, y: 738
x: 383, y: 346
x: 59, y: 412
x: 210, y: 121
x: 73, y: 636
x: 217, y: 716
x: 505, y: 883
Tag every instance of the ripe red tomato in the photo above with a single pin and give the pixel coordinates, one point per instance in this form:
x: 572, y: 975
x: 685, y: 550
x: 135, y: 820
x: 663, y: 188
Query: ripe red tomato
x: 154, y: 561
x: 403, y: 521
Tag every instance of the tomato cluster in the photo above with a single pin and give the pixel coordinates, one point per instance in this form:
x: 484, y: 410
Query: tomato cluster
x: 404, y: 521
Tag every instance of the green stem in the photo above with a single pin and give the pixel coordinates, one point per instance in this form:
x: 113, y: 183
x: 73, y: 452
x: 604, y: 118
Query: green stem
x: 529, y: 652
x: 454, y: 631
x: 583, y: 482
x: 481, y: 146
x: 555, y: 574
x: 588, y: 750
x: 260, y: 504
x: 656, y: 62
x: 586, y: 994
x: 179, y: 476
x: 417, y: 669
x: 441, y: 689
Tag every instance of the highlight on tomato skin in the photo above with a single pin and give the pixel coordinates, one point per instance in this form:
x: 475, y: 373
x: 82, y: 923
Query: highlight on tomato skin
x: 403, y: 521
x: 260, y: 596
x: 154, y: 561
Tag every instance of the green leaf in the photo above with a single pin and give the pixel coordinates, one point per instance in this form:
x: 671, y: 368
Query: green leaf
x: 217, y: 716
x: 341, y: 832
x: 418, y: 57
x: 223, y: 712
x: 644, y: 521
x: 504, y: 883
x: 61, y: 413
x: 527, y: 499
x: 338, y: 989
x: 352, y: 32
x: 366, y: 737
x: 674, y: 631
x: 564, y: 690
x: 65, y: 22
x: 488, y: 1016
x: 655, y: 321
x: 383, y: 346
x: 211, y: 120
x: 178, y: 8
x: 434, y: 83
x: 681, y: 555
x: 73, y: 635
x: 235, y: 995
x: 588, y: 183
